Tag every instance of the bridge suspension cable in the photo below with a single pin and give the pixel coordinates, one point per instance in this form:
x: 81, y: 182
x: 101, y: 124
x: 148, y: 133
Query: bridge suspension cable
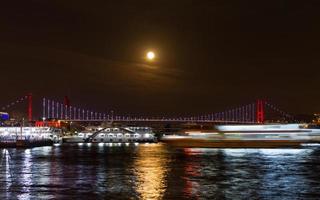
x: 22, y: 99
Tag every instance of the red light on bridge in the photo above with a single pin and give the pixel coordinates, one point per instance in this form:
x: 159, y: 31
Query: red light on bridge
x: 55, y: 124
x: 260, y: 111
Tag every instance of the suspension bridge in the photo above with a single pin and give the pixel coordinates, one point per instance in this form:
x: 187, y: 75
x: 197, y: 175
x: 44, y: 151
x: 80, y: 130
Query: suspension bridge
x: 254, y: 112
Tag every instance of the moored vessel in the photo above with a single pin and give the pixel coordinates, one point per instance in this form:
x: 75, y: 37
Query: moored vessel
x: 28, y: 136
x: 113, y: 135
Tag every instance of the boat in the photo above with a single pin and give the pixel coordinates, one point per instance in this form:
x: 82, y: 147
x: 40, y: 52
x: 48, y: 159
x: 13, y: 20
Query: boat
x: 28, y: 136
x: 249, y: 136
x: 113, y: 135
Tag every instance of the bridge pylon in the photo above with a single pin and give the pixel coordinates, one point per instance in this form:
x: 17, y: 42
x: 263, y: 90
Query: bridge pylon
x: 30, y: 107
x: 260, y: 111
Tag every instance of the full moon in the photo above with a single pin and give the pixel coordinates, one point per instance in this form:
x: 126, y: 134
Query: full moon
x: 150, y: 55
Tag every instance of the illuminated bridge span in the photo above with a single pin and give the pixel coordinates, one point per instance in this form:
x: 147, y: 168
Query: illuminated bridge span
x: 250, y: 113
x: 255, y: 112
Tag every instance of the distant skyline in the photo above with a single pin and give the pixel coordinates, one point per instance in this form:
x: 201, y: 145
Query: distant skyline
x: 210, y: 55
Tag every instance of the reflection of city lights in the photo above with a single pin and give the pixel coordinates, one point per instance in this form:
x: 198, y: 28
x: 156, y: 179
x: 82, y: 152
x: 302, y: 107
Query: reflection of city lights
x: 26, y: 177
x: 6, y: 163
x: 192, y: 187
x: 274, y: 152
x: 150, y: 173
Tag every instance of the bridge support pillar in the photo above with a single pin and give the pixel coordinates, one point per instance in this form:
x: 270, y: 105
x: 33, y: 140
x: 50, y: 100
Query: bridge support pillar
x: 30, y: 107
x: 260, y: 111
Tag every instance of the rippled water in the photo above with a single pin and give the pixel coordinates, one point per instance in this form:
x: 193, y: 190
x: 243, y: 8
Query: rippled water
x: 156, y: 171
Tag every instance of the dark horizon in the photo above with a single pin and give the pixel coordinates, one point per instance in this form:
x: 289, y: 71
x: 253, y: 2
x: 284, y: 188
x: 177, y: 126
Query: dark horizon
x: 210, y: 55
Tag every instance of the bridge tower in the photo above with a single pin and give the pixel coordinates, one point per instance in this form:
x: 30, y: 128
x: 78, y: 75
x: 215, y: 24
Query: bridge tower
x: 30, y: 107
x: 66, y: 101
x: 260, y: 111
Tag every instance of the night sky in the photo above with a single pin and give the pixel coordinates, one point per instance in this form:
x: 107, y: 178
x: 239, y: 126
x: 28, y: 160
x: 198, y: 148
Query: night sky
x: 212, y: 55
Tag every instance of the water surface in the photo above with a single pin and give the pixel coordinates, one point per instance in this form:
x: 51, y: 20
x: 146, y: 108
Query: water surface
x: 156, y: 171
